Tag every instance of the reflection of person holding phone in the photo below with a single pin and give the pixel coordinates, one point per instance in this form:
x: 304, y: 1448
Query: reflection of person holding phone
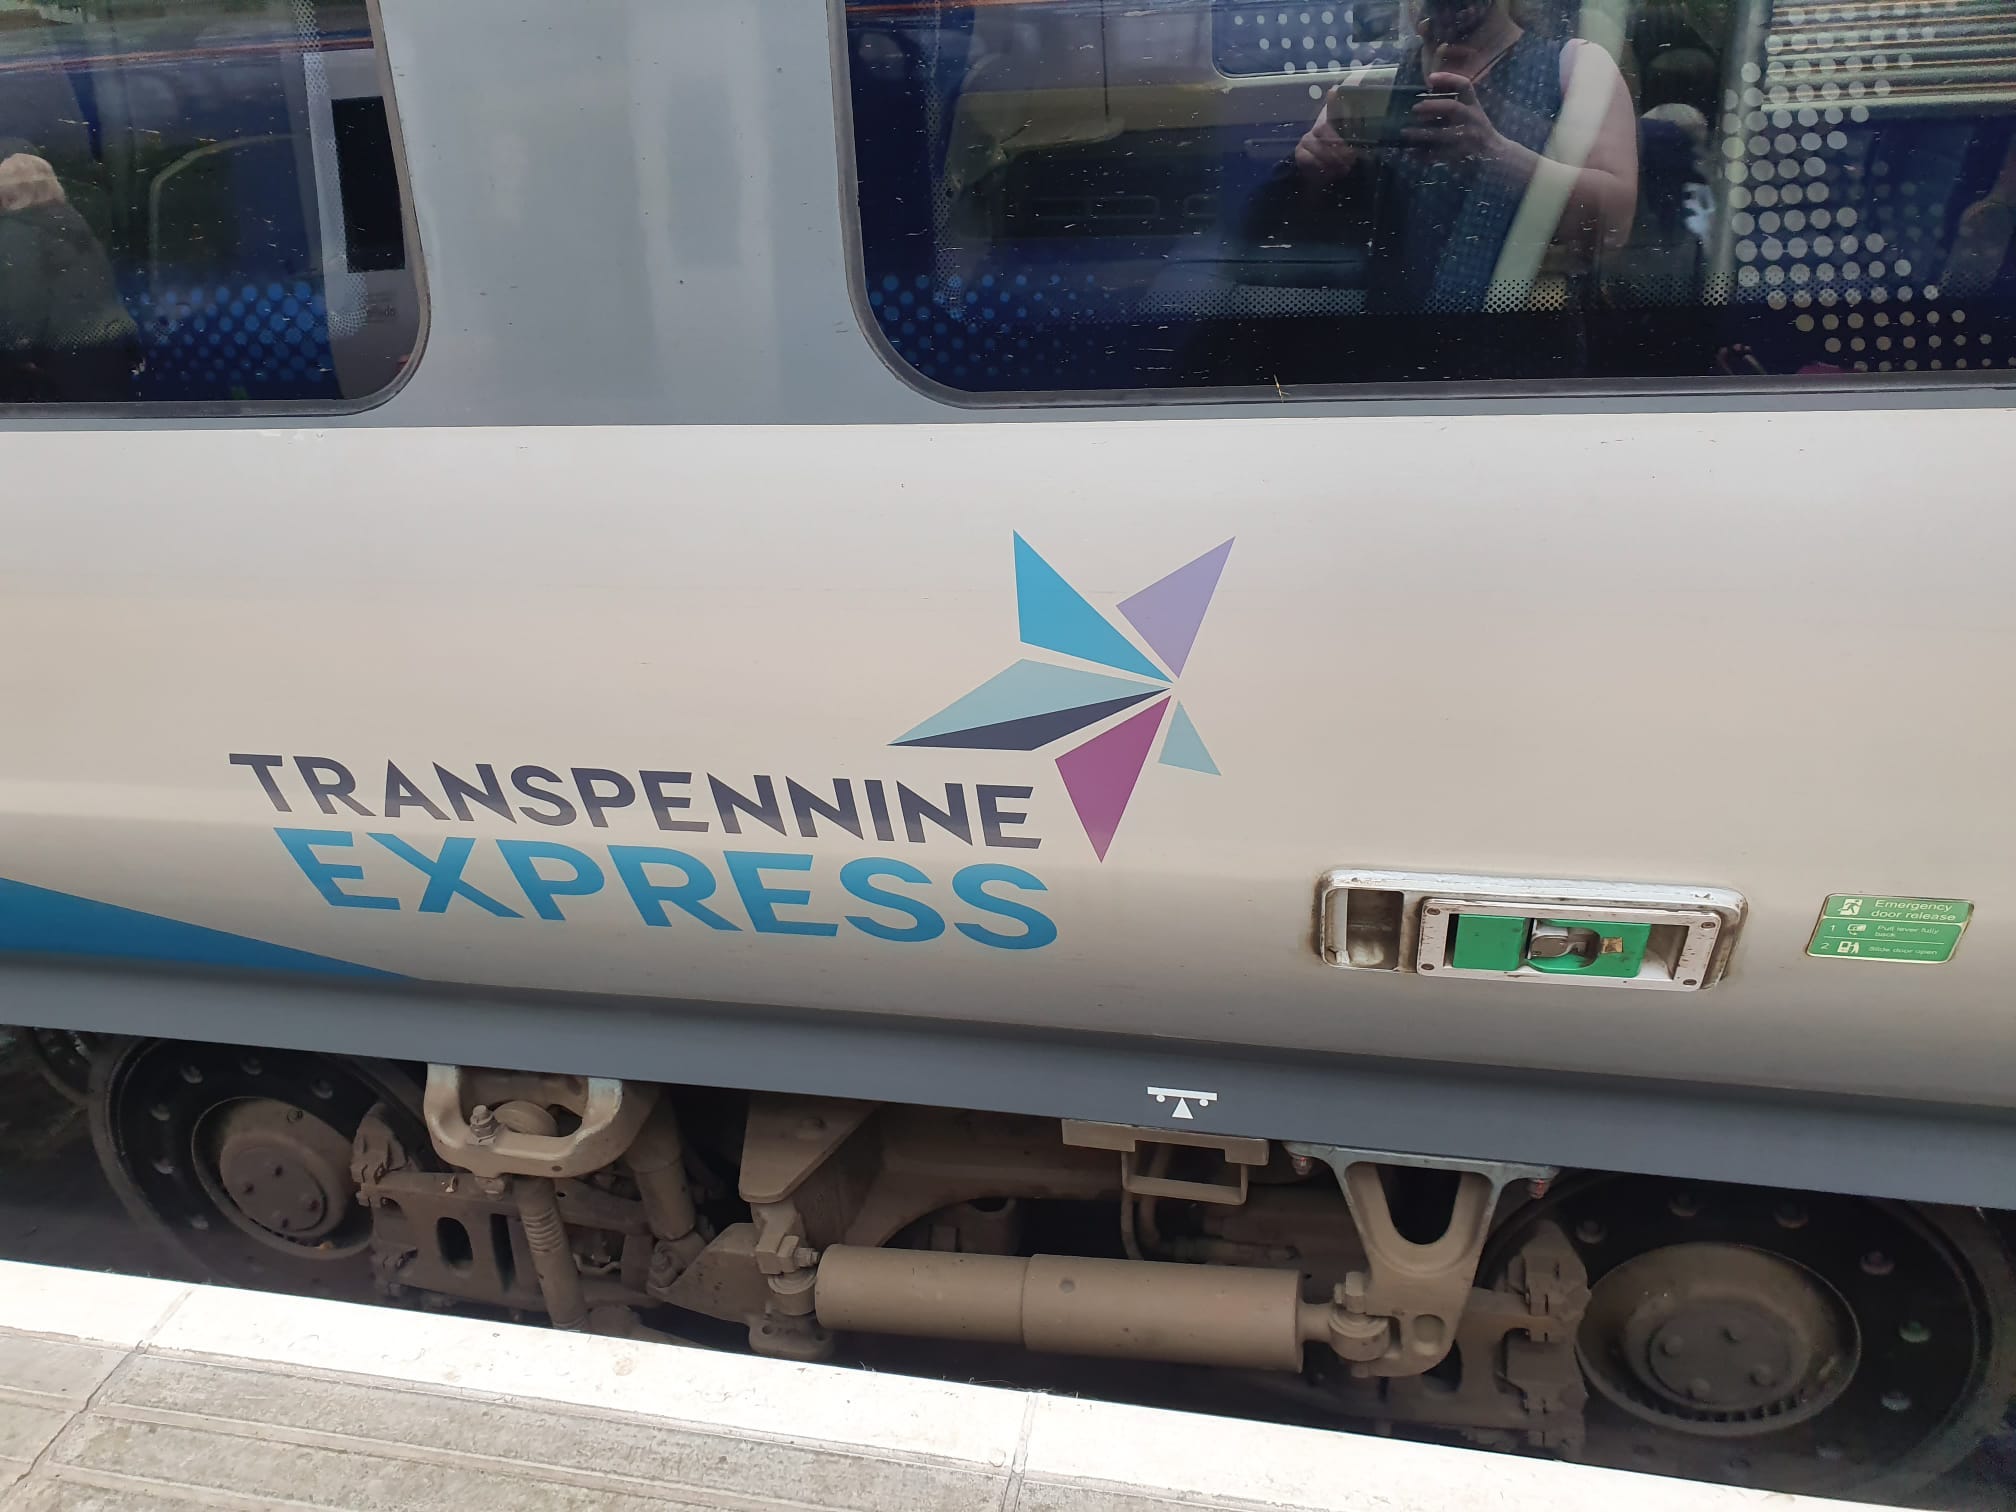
x: 1485, y: 115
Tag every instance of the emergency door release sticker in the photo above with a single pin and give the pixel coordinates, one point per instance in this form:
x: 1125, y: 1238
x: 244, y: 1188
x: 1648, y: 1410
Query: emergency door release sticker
x: 1859, y: 927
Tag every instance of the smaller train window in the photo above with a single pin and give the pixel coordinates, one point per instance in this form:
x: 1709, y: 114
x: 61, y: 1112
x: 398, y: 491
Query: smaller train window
x: 1072, y: 196
x: 199, y: 204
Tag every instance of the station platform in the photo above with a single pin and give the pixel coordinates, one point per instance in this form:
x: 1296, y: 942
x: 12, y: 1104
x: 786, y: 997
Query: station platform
x: 127, y: 1395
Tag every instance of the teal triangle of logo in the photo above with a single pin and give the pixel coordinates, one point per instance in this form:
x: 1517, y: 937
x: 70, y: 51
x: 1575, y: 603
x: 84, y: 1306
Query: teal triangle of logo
x: 1055, y: 616
x: 1184, y: 747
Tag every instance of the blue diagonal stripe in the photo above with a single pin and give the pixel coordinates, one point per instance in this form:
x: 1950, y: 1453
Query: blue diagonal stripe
x: 38, y: 921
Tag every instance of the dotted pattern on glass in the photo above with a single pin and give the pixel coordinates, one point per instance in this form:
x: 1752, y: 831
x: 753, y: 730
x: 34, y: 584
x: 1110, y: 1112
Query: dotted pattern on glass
x: 1013, y: 331
x: 1249, y: 37
x: 1842, y: 160
x: 247, y: 342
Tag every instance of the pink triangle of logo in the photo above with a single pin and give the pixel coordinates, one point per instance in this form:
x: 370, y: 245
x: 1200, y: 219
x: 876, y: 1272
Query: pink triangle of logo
x: 1100, y: 774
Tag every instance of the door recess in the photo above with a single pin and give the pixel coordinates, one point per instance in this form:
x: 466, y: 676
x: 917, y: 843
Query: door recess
x: 1534, y: 929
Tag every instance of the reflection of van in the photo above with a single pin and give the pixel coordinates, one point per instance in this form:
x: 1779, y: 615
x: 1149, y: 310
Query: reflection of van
x: 909, y: 724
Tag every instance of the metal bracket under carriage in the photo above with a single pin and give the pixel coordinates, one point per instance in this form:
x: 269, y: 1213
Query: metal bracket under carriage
x: 901, y: 1220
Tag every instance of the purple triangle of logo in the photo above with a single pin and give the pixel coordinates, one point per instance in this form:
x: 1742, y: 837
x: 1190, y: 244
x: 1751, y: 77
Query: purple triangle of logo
x: 1169, y: 611
x: 1100, y: 774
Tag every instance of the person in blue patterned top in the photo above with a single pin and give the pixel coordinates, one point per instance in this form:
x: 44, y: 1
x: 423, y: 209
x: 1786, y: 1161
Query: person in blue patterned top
x: 1503, y: 147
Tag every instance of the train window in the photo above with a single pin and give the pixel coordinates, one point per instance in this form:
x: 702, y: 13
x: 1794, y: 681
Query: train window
x: 198, y: 204
x: 1062, y: 196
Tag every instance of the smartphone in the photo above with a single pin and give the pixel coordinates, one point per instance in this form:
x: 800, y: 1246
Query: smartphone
x: 1383, y: 129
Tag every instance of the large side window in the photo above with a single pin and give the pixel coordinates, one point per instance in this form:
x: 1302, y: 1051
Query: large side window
x: 198, y: 204
x: 1061, y: 196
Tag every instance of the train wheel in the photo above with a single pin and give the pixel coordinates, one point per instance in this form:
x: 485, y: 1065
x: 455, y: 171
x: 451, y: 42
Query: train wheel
x: 62, y: 1057
x: 241, y: 1158
x: 1796, y: 1341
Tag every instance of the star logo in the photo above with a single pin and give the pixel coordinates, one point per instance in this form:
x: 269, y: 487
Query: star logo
x: 1036, y: 704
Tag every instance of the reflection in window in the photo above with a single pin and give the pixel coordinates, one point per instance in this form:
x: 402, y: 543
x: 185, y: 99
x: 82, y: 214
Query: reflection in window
x: 1119, y: 195
x: 198, y: 202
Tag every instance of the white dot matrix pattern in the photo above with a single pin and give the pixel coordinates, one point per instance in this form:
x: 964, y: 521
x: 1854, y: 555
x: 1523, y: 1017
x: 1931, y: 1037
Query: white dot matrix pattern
x: 1793, y: 163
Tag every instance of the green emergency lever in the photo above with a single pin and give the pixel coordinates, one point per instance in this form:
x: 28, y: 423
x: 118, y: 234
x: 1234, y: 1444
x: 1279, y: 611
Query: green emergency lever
x: 1587, y: 947
x: 1583, y: 947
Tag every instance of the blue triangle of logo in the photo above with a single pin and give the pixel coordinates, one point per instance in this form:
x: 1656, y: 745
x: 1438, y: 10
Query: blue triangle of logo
x: 1055, y: 616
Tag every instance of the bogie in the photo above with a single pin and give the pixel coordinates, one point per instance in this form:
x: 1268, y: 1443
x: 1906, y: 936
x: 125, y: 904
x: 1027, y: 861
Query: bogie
x: 1799, y: 1340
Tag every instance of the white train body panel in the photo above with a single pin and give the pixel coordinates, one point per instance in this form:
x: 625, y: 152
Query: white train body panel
x: 1753, y: 670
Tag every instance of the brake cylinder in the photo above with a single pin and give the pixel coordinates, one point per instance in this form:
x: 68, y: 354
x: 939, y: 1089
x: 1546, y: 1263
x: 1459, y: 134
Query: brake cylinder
x: 1187, y: 1314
